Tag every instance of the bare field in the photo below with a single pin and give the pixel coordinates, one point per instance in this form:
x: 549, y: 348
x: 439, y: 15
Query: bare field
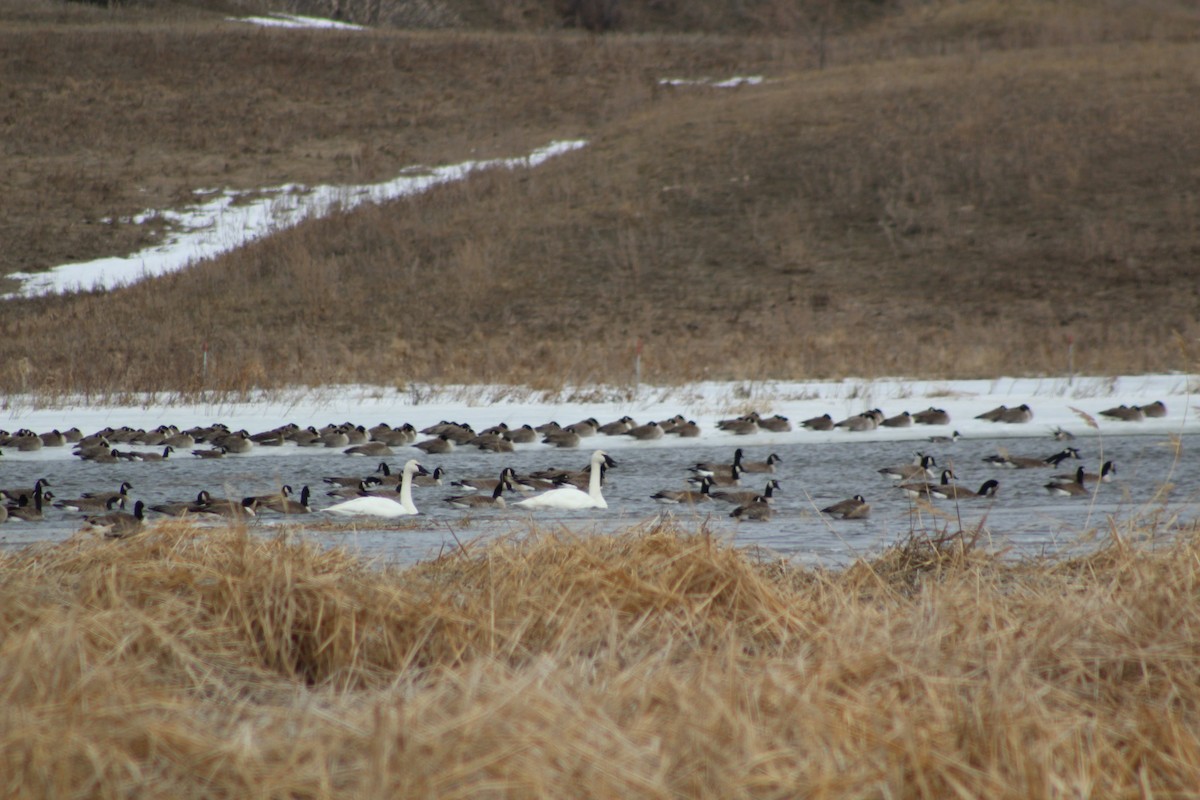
x: 958, y: 194
x: 653, y: 663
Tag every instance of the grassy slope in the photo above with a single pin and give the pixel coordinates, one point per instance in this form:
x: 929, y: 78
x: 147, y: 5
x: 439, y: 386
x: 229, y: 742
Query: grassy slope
x: 962, y: 195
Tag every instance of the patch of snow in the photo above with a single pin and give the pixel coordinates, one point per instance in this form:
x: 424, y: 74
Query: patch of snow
x: 228, y: 221
x: 278, y: 19
x: 728, y: 83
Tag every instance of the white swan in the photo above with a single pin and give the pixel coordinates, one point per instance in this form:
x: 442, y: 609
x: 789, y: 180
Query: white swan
x: 384, y: 506
x: 570, y: 498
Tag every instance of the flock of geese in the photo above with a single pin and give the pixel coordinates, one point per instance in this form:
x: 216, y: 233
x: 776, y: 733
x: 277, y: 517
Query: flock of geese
x: 385, y: 494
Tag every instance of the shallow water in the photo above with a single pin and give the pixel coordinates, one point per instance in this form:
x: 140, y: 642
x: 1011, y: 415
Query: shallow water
x: 1023, y: 517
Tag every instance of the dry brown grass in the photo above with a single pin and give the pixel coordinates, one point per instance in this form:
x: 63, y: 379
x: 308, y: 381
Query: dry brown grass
x: 960, y: 191
x: 652, y: 663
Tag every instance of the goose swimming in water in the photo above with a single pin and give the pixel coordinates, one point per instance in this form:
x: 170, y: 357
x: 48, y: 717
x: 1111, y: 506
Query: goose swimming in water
x: 384, y: 506
x: 570, y: 498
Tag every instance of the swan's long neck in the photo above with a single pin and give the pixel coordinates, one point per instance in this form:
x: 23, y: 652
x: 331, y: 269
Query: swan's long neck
x: 406, y: 498
x: 594, y: 484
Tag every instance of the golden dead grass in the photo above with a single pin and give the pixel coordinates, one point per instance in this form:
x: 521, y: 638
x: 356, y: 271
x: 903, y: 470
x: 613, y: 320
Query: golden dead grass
x: 654, y: 663
x: 959, y: 192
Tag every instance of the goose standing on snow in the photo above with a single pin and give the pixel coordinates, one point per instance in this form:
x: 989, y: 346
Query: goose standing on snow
x: 570, y: 498
x: 384, y: 506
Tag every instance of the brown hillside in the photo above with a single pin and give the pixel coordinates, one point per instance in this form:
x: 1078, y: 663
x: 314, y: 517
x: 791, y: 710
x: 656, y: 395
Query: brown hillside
x: 921, y: 213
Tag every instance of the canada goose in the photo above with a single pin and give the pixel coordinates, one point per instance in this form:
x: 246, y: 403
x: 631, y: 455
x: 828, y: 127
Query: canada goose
x: 922, y: 488
x: 275, y: 436
x: 364, y: 488
x: 548, y: 427
x: 759, y: 510
x: 377, y: 506
x: 305, y: 437
x: 952, y: 491
x: 1018, y: 415
x: 994, y: 415
x: 96, y: 501
x: 493, y: 500
x: 460, y: 433
x: 228, y: 507
x: 951, y: 439
x: 111, y: 457
x: 1061, y: 435
x: 3, y: 513
x: 54, y: 438
x: 741, y: 427
x: 744, y: 497
x: 235, y: 442
x: 357, y: 434
x: 670, y: 424
x: 14, y: 493
x: 442, y: 443
x: 685, y: 496
x: 26, y: 442
x: 522, y: 435
x: 688, y: 430
x: 901, y: 420
x: 335, y: 437
x: 616, y: 427
x: 485, y: 484
x: 372, y: 449
x: 283, y: 503
x: 117, y: 524
x: 212, y: 452
x: 1156, y: 409
x: 821, y: 423
x: 737, y: 423
x: 431, y: 479
x: 1082, y: 476
x: 180, y: 441
x: 586, y: 427
x: 570, y: 498
x: 645, y: 433
x: 178, y: 509
x: 854, y: 508
x: 761, y: 466
x: 265, y: 500
x: 88, y: 504
x: 923, y: 468
x: 1072, y: 488
x: 354, y: 480
x: 1124, y: 413
x: 398, y: 437
x: 1025, y: 462
x: 866, y: 421
x: 731, y: 477
x: 154, y: 455
x: 775, y: 424
x: 91, y: 452
x: 561, y: 438
x: 713, y: 468
x: 27, y: 511
x: 932, y: 416
x: 496, y: 445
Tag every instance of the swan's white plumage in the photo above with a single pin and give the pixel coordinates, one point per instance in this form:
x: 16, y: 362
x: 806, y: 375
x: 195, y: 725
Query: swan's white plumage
x: 383, y: 506
x: 570, y: 498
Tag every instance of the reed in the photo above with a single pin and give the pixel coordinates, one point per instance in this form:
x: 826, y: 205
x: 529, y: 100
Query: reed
x: 655, y: 662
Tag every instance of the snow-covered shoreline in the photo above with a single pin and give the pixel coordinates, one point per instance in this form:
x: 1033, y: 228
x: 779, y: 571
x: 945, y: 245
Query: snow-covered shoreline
x: 1056, y: 403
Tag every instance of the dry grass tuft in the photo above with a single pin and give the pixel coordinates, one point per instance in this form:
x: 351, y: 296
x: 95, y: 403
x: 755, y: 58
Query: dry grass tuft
x: 655, y: 662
